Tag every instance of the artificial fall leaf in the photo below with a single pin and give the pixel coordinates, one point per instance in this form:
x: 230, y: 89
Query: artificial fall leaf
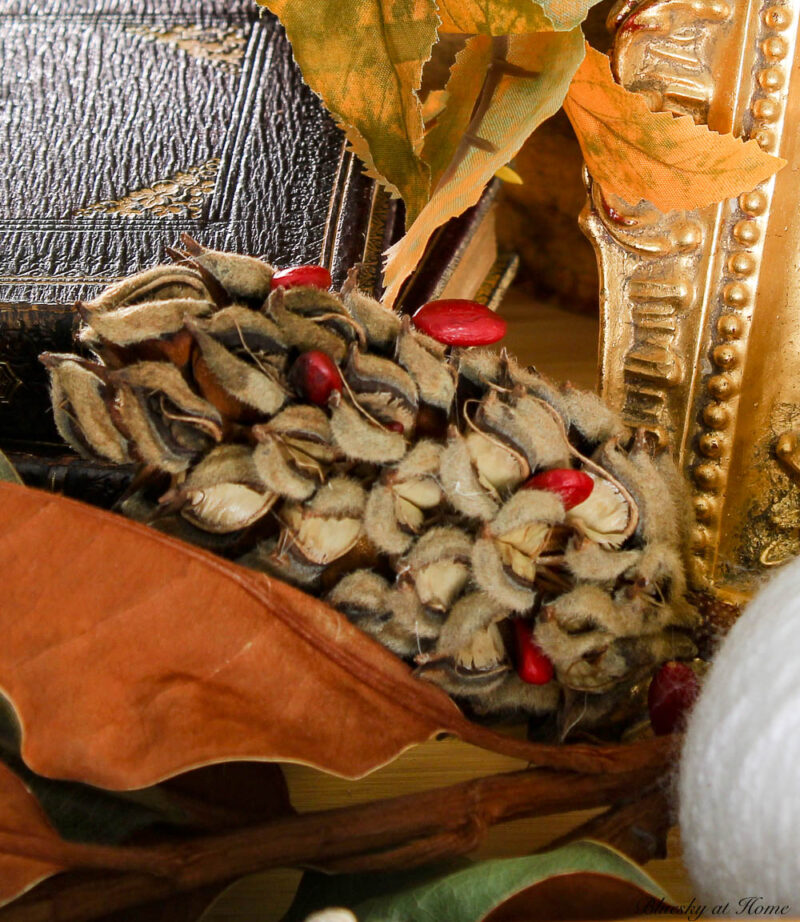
x: 638, y: 154
x: 130, y: 656
x: 463, y: 89
x: 507, y: 174
x: 511, y: 17
x: 526, y: 83
x: 365, y: 59
x: 495, y: 17
x: 25, y: 835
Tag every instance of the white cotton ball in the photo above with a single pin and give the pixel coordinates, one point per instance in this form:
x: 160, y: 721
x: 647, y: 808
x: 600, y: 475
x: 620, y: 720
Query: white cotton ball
x: 739, y: 784
x: 332, y: 915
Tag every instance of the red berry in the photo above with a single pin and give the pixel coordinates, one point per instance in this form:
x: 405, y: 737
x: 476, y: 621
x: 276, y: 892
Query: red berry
x: 396, y: 426
x: 459, y: 323
x: 572, y: 486
x: 532, y: 665
x: 672, y: 693
x: 315, y: 376
x: 314, y: 276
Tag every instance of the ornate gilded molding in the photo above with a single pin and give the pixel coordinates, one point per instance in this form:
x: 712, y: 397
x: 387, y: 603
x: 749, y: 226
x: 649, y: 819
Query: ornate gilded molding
x: 701, y: 310
x: 220, y: 46
x: 183, y: 194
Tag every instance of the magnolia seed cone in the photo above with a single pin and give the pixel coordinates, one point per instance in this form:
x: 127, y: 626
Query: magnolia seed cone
x: 507, y: 537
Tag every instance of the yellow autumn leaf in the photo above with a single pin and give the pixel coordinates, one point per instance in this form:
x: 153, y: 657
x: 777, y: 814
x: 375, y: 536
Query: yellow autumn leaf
x: 507, y: 174
x: 463, y: 88
x: 364, y: 58
x: 492, y: 17
x: 511, y: 17
x: 637, y: 154
x: 434, y: 105
x: 526, y: 82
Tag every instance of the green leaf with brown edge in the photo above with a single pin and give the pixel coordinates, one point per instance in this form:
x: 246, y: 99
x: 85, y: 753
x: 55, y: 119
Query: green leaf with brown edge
x: 637, y: 154
x: 581, y: 880
x: 364, y: 58
x: 8, y: 472
x: 130, y: 656
x: 525, y: 84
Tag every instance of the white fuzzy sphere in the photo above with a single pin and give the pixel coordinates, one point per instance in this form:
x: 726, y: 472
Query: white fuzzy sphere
x: 739, y: 780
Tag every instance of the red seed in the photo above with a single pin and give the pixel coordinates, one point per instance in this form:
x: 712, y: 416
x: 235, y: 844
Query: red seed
x: 315, y: 375
x: 457, y: 322
x: 672, y: 693
x: 532, y: 665
x: 572, y: 486
x: 313, y: 276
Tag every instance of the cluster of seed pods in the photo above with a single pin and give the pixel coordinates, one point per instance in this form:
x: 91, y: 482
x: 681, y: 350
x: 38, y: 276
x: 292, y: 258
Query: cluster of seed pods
x: 502, y: 534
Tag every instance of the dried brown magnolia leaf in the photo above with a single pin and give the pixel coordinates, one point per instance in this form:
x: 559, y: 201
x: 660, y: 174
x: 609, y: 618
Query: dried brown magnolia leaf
x: 525, y: 84
x: 130, y: 656
x: 24, y: 830
x: 638, y: 154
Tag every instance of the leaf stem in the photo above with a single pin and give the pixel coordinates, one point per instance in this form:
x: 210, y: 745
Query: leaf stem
x: 400, y: 832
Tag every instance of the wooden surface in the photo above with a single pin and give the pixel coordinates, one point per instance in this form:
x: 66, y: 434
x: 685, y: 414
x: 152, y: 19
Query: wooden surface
x: 563, y: 346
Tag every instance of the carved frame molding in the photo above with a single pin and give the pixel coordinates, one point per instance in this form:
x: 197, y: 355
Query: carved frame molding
x: 690, y: 346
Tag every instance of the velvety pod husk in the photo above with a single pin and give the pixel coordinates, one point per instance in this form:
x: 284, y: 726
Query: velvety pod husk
x: 402, y: 498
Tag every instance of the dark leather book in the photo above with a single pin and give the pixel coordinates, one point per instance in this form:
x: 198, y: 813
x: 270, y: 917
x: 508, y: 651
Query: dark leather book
x: 124, y: 123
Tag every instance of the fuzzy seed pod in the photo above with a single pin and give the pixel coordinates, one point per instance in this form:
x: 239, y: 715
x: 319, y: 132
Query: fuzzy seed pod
x: 397, y: 505
x: 224, y: 492
x: 80, y: 408
x: 461, y: 482
x: 440, y: 496
x: 362, y: 438
x: 434, y: 379
x: 303, y: 333
x: 162, y: 283
x: 327, y: 527
x: 246, y: 384
x: 240, y: 276
x: 381, y: 326
x: 438, y: 565
x: 143, y: 321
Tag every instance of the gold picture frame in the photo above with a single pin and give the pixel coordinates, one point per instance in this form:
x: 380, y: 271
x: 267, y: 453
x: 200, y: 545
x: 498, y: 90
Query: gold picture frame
x: 700, y: 311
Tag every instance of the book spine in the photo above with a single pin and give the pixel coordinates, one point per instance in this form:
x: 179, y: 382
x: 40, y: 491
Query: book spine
x: 90, y: 481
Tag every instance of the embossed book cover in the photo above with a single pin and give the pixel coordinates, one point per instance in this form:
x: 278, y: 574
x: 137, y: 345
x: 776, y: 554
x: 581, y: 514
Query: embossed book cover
x: 124, y: 124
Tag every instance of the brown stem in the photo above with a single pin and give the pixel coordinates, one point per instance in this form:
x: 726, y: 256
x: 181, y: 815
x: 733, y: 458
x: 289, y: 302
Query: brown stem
x: 636, y: 827
x: 399, y: 832
x: 436, y: 847
x: 578, y: 757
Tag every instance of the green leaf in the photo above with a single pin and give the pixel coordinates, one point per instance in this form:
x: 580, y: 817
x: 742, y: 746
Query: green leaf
x: 8, y: 471
x: 525, y: 84
x: 365, y: 59
x: 580, y: 880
